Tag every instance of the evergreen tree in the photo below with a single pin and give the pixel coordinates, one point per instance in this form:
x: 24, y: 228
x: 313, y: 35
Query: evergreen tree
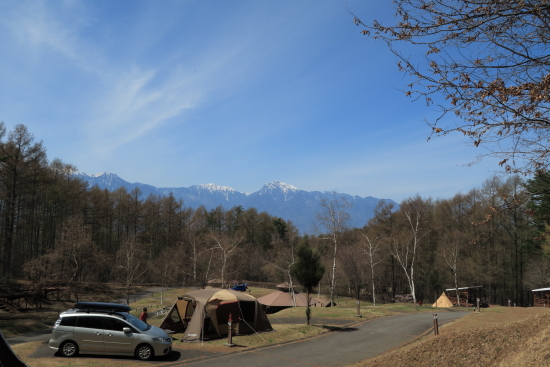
x: 308, y: 270
x: 539, y: 189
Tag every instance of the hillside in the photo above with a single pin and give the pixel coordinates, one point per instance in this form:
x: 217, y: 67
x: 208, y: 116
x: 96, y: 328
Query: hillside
x: 468, y: 343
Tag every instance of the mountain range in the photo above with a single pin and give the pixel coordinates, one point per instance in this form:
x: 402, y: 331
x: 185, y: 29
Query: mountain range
x: 276, y: 198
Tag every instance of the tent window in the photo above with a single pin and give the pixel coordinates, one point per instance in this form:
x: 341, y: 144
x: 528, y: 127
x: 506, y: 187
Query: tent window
x: 175, y: 317
x: 249, y: 310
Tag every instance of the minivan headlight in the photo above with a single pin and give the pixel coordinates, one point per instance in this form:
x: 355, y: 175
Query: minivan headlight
x: 162, y: 340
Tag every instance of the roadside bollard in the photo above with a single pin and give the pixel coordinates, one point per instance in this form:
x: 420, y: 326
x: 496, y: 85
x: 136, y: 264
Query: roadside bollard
x: 436, y: 325
x: 509, y: 303
x: 229, y: 336
x: 358, y: 314
x: 477, y: 306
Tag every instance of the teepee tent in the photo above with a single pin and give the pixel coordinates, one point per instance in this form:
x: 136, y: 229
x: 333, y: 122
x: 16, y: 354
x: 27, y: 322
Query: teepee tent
x: 443, y: 301
x: 204, y: 314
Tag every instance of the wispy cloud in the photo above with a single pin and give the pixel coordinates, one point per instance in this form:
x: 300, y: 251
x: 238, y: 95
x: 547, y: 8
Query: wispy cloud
x: 278, y: 90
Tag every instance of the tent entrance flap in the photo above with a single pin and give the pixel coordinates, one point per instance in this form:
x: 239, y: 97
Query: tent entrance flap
x: 222, y: 315
x: 248, y: 311
x: 172, y: 321
x: 181, y: 306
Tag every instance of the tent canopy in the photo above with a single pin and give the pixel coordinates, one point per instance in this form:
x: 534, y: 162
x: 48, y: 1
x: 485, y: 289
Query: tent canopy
x: 284, y: 299
x: 204, y: 314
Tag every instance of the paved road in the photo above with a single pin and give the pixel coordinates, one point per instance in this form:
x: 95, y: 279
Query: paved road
x: 352, y: 344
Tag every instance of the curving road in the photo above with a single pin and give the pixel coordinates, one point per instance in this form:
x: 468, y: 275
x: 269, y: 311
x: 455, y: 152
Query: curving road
x: 341, y: 348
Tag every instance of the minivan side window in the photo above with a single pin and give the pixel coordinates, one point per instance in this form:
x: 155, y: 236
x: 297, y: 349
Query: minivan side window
x: 115, y: 324
x: 90, y: 322
x: 68, y: 321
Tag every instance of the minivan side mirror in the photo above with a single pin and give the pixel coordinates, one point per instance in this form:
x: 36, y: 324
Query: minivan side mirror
x: 126, y: 330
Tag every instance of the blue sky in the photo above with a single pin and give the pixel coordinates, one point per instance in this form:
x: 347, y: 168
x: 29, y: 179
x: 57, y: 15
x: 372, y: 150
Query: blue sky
x: 236, y: 93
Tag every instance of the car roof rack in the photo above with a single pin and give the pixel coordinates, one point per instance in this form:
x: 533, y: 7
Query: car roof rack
x: 101, y: 307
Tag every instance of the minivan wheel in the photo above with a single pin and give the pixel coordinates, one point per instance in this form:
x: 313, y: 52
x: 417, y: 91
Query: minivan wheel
x: 69, y: 349
x: 144, y: 352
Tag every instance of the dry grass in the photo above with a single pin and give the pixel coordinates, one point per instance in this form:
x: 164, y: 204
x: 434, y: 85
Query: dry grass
x: 24, y: 321
x: 334, y: 312
x: 499, y: 336
x: 19, y: 322
x: 284, y: 333
x: 11, y: 328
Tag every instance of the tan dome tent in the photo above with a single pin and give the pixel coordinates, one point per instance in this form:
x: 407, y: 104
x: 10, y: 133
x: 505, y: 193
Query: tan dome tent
x: 203, y: 315
x: 279, y: 300
x: 284, y: 299
x: 443, y: 301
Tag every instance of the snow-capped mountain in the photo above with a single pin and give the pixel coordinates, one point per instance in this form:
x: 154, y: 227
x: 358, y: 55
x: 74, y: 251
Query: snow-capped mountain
x: 276, y: 198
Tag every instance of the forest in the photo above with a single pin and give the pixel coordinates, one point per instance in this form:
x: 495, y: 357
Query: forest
x: 54, y: 228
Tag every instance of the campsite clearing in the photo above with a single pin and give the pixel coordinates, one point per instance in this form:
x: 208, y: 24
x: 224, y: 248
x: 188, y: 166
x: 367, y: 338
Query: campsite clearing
x: 289, y: 325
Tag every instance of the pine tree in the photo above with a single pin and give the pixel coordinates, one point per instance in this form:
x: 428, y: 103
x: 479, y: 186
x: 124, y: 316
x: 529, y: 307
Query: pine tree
x: 308, y: 270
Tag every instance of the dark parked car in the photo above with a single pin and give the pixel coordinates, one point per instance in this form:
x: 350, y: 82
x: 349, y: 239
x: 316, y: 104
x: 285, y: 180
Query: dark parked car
x: 240, y: 287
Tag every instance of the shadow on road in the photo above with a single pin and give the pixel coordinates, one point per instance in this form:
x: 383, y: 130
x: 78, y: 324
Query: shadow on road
x: 45, y: 352
x: 347, y: 329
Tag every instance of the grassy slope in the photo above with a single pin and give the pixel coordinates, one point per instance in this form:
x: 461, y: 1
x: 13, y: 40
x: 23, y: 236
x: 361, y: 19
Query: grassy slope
x: 492, y: 338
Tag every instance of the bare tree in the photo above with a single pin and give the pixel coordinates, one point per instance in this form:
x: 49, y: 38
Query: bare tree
x: 72, y: 258
x: 451, y: 253
x: 227, y: 246
x: 370, y: 248
x: 23, y: 161
x: 193, y: 245
x: 334, y: 217
x: 485, y: 62
x: 353, y: 267
x: 131, y: 263
x: 404, y: 247
x: 165, y: 267
x: 283, y: 262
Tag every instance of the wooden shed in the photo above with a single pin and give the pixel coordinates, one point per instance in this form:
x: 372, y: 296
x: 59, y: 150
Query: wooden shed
x: 466, y: 295
x: 541, y: 297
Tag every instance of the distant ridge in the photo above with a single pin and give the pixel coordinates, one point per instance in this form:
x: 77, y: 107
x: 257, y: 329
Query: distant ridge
x: 276, y: 198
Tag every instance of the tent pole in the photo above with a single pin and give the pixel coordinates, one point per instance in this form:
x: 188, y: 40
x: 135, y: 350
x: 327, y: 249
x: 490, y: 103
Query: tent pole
x: 202, y: 333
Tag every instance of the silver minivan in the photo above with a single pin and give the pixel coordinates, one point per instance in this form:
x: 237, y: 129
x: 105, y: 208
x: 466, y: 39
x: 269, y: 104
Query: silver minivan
x: 107, y: 328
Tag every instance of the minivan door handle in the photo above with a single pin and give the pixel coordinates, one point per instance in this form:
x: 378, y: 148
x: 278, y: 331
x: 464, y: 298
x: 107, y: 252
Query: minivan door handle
x: 97, y: 333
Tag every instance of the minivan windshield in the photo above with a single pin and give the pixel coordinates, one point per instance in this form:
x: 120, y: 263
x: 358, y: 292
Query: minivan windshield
x: 140, y: 325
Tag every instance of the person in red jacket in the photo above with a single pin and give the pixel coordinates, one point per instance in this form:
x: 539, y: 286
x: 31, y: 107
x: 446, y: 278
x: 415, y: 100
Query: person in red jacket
x: 144, y: 315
